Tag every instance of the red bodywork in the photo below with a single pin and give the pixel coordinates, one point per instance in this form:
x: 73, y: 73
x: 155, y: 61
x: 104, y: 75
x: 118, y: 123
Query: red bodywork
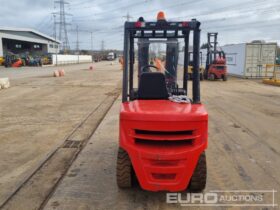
x: 164, y: 141
x: 218, y: 68
x: 17, y: 64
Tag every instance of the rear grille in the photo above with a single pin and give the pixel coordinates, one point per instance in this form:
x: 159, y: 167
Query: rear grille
x: 164, y: 176
x: 147, y: 132
x: 183, y: 137
x: 169, y: 143
x: 164, y: 162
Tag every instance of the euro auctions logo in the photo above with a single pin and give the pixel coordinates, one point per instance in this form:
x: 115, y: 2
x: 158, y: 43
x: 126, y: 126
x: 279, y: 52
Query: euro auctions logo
x: 241, y: 198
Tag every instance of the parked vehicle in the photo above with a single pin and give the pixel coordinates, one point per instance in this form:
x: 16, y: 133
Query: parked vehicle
x: 111, y: 56
x: 216, y: 60
x: 12, y: 60
x: 97, y: 58
x: 46, y: 60
x: 32, y: 61
x: 2, y: 61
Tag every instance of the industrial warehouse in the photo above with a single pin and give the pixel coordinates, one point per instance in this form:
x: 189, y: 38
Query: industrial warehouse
x: 16, y: 43
x: 145, y: 105
x: 29, y: 47
x: 18, y: 40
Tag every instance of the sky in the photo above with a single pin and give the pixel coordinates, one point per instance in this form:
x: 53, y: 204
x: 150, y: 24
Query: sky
x: 236, y: 21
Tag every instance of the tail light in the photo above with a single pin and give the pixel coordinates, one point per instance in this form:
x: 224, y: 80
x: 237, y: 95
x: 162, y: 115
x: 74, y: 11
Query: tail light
x: 140, y: 23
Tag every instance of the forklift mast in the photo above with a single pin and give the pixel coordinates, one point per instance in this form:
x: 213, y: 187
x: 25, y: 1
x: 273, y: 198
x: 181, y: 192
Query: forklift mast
x: 212, y: 51
x: 211, y: 43
x: 170, y: 32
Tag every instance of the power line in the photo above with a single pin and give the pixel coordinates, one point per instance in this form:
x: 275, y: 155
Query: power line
x: 116, y: 9
x: 82, y: 6
x: 54, y: 26
x: 77, y: 42
x: 127, y: 17
x: 221, y: 10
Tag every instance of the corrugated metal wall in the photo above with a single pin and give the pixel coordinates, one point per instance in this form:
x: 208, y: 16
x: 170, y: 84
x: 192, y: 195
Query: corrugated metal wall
x: 250, y: 60
x: 257, y: 57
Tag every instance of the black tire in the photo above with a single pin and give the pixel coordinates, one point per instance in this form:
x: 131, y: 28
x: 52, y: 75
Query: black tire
x: 198, y: 180
x: 205, y: 75
x: 191, y: 76
x: 212, y: 77
x: 124, y: 170
x: 225, y: 78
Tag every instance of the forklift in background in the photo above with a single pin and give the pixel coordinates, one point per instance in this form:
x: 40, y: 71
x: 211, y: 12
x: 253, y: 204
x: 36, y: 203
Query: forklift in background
x: 190, y: 68
x: 12, y: 60
x: 163, y: 131
x: 2, y: 61
x: 216, y: 60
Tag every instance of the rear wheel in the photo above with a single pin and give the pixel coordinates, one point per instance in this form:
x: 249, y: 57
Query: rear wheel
x: 198, y: 180
x: 201, y: 76
x: 124, y: 169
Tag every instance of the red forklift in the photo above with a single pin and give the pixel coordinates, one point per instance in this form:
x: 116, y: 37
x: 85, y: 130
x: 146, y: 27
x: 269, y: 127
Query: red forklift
x: 163, y: 131
x: 216, y: 60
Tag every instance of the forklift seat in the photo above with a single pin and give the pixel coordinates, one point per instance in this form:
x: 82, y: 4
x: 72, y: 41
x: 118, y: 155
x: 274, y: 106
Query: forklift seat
x: 152, y: 86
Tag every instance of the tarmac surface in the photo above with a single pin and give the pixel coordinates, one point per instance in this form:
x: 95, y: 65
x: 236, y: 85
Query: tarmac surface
x: 243, y: 152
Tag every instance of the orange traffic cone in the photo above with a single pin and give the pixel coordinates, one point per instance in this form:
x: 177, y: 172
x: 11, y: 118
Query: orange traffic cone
x: 61, y: 72
x: 56, y: 73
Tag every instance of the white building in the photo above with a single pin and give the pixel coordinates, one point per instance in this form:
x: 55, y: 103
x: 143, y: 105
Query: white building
x: 21, y: 40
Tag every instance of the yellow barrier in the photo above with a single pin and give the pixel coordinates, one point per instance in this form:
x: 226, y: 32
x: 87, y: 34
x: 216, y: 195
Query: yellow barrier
x: 269, y: 66
x: 275, y: 80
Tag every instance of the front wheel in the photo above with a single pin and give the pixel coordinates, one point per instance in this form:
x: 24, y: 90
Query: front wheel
x: 212, y: 77
x: 225, y: 78
x: 198, y: 180
x: 124, y: 170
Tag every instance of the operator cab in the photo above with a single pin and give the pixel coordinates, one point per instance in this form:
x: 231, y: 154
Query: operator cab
x: 162, y: 69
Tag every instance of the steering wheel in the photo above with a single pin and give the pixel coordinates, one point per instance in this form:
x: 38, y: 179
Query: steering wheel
x: 147, y: 68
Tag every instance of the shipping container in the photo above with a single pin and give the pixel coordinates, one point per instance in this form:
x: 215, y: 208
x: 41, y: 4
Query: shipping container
x: 251, y: 60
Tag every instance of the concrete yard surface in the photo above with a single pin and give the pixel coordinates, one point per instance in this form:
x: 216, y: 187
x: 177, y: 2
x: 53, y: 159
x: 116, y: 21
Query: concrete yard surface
x: 27, y: 71
x: 243, y: 153
x: 40, y: 115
